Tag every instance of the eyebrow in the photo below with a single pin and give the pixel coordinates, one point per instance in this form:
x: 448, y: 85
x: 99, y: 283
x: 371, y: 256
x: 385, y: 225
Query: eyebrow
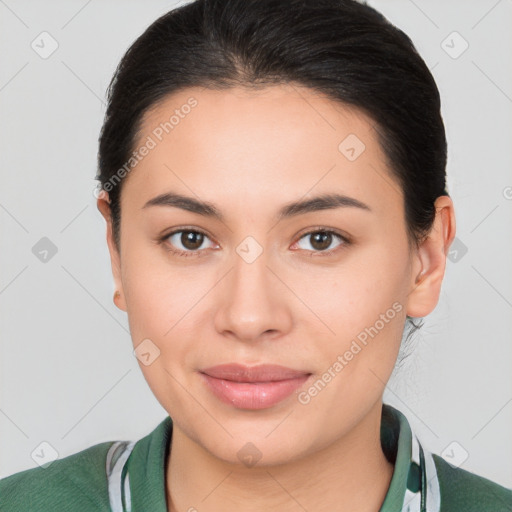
x: 207, y: 209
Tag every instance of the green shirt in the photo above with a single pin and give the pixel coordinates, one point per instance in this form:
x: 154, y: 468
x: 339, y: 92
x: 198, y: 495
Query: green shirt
x: 130, y: 476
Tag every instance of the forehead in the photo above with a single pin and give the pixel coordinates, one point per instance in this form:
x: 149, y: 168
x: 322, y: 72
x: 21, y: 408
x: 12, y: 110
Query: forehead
x: 275, y: 143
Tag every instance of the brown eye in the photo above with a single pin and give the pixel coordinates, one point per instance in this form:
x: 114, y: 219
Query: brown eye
x: 191, y: 239
x: 186, y: 241
x: 322, y: 240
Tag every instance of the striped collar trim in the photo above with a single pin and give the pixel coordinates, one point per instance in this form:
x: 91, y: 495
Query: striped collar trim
x: 414, y: 486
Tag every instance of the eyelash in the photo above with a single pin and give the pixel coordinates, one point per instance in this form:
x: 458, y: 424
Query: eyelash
x: 346, y: 242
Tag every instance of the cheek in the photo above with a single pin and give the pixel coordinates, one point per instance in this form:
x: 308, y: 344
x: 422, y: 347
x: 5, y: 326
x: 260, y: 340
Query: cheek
x: 162, y: 304
x: 363, y: 307
x: 165, y: 304
x: 158, y: 294
x: 353, y: 294
x: 359, y: 309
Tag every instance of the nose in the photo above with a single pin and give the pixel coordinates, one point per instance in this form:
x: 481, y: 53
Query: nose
x: 253, y: 303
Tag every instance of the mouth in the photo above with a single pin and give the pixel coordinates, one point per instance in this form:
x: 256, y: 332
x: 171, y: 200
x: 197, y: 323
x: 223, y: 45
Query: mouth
x: 252, y: 387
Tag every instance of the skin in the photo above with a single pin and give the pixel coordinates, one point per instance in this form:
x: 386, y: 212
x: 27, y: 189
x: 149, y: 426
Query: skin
x: 249, y: 153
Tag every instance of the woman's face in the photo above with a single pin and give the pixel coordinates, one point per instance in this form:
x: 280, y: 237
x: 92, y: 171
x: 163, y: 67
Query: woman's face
x: 260, y: 282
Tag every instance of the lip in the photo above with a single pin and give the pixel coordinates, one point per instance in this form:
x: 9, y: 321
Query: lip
x: 252, y: 387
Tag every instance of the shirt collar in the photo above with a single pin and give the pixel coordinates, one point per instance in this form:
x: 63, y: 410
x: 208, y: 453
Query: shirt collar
x: 143, y: 476
x: 396, y: 441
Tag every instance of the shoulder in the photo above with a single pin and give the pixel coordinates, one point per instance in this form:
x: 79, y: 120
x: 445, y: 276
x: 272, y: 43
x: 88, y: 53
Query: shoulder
x: 463, y: 490
x: 76, y: 482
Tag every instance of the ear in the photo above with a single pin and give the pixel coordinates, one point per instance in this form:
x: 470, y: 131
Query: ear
x: 430, y: 261
x: 103, y: 205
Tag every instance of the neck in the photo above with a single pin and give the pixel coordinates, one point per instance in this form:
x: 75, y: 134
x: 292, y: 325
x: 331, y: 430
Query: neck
x: 350, y: 474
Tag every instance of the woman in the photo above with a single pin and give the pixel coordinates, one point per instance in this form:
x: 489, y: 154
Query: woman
x: 273, y: 182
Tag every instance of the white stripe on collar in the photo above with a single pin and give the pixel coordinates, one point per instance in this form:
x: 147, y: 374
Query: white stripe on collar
x: 117, y: 457
x: 434, y: 493
x: 428, y: 474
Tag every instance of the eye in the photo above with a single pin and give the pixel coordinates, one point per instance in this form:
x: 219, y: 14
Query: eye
x: 321, y: 240
x: 185, y: 242
x: 191, y: 242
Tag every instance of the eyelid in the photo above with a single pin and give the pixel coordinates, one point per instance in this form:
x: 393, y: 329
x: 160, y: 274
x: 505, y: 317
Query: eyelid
x: 185, y: 228
x: 325, y: 229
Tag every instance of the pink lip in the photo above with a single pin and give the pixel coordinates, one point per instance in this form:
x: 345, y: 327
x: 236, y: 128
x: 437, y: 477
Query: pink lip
x: 252, y: 387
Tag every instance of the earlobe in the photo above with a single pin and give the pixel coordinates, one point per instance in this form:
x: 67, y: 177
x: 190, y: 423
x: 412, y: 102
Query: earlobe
x: 431, y: 259
x: 103, y: 205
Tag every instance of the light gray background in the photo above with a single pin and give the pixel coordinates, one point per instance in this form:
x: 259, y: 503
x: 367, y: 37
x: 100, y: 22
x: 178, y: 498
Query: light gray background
x: 68, y: 375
